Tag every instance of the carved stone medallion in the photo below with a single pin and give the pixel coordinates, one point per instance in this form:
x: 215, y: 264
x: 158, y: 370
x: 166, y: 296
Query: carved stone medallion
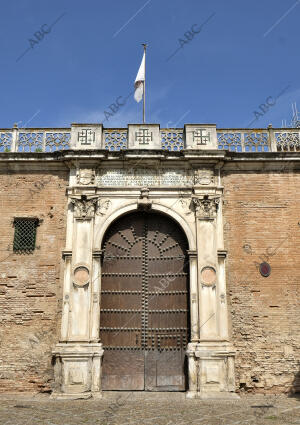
x: 203, y: 177
x: 185, y: 205
x: 208, y: 276
x: 103, y: 206
x: 81, y: 275
x: 85, y: 176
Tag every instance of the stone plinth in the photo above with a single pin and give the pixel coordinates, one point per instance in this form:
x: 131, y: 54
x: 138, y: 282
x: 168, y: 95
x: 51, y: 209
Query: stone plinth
x: 77, y: 370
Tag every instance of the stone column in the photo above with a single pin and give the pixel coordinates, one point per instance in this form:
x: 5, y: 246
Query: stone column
x: 192, y: 371
x: 82, y: 273
x: 67, y: 256
x: 95, y: 307
x: 214, y: 353
x: 205, y: 208
x: 222, y: 298
x: 78, y: 355
x: 194, y: 311
x: 194, y: 320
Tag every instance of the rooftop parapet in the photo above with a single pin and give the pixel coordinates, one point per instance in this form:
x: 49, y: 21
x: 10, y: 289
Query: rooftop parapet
x: 149, y: 136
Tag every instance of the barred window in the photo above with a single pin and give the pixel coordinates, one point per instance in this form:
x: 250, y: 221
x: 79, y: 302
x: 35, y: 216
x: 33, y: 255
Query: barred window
x: 25, y: 234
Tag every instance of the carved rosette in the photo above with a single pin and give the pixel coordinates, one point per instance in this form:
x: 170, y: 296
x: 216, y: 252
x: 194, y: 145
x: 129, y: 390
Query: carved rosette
x: 205, y: 206
x: 84, y: 206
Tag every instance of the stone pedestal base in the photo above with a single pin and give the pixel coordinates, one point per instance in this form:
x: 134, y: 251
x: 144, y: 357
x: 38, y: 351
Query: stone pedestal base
x: 70, y: 396
x: 77, y: 370
x: 211, y: 370
x: 214, y: 395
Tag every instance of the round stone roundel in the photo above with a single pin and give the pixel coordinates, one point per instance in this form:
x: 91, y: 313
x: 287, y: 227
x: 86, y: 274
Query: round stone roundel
x: 81, y: 275
x: 208, y: 275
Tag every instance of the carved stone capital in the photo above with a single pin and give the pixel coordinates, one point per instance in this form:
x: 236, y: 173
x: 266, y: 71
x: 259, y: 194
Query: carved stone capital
x: 84, y: 206
x: 205, y: 206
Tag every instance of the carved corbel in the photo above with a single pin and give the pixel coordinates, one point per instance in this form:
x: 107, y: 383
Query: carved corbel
x: 144, y: 202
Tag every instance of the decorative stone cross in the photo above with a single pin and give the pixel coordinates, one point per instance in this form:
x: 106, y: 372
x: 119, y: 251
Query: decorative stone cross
x: 143, y: 136
x: 201, y: 136
x: 86, y: 136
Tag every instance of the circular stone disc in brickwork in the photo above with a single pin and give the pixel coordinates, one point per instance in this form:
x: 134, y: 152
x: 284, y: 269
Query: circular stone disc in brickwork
x: 265, y: 269
x: 81, y: 276
x: 208, y: 275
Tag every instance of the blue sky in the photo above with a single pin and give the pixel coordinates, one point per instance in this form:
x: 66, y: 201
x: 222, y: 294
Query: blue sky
x: 246, y: 55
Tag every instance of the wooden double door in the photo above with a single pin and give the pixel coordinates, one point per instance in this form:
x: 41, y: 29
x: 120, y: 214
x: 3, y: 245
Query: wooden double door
x: 144, y: 313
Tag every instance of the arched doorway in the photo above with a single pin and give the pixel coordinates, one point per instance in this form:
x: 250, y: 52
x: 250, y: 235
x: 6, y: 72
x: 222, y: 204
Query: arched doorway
x: 144, y: 311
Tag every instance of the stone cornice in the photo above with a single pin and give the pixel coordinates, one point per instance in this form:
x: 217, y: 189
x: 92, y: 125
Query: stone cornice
x: 192, y: 156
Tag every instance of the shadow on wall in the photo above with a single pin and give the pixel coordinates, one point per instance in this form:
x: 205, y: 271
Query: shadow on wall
x: 295, y: 388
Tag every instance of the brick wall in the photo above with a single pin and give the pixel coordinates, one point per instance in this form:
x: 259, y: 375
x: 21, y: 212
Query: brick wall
x: 30, y: 291
x: 261, y: 213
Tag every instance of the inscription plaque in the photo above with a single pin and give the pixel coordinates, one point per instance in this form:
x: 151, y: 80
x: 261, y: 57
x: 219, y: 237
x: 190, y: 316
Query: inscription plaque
x: 145, y: 177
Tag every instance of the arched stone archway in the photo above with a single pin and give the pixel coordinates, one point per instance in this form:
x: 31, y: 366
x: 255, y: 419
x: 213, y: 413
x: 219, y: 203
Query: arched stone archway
x: 187, y: 228
x: 144, y: 308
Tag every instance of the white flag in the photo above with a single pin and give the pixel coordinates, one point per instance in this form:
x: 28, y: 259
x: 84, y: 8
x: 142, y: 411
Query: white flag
x: 140, y: 81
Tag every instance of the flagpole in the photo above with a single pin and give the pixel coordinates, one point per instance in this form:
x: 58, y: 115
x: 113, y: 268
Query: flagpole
x: 144, y: 85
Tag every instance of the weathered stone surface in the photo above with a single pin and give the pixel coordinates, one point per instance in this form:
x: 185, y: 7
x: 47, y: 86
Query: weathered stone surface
x: 261, y: 215
x: 30, y: 289
x: 149, y: 409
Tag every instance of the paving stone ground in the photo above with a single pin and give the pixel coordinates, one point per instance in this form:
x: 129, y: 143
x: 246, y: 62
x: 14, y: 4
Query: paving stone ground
x: 122, y: 408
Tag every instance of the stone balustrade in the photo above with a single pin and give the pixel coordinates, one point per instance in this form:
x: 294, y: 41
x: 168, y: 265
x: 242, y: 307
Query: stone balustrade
x: 149, y: 136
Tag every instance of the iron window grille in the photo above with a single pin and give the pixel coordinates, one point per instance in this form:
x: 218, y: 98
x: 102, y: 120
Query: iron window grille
x: 25, y: 234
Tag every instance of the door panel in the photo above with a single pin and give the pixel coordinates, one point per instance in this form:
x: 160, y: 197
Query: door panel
x: 123, y: 370
x: 144, y: 304
x: 164, y: 370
